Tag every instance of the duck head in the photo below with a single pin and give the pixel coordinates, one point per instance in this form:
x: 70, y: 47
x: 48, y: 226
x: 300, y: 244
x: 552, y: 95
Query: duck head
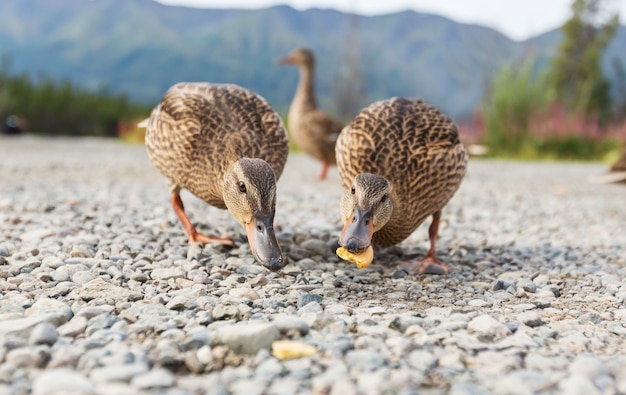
x: 365, y: 208
x: 299, y: 56
x: 250, y: 195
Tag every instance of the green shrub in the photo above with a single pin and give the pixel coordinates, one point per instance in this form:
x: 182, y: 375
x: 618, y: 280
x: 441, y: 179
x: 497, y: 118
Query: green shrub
x: 61, y: 108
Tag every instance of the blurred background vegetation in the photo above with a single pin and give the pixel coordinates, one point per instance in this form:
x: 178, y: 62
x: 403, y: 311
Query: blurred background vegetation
x: 568, y: 110
x: 50, y: 107
x: 67, y: 70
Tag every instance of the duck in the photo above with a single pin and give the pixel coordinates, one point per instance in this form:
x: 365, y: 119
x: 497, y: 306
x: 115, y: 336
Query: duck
x: 225, y: 145
x: 311, y: 129
x: 400, y: 161
x: 616, y: 173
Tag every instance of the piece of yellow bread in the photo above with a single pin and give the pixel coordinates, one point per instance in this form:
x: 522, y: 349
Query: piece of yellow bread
x: 362, y: 259
x: 289, y: 349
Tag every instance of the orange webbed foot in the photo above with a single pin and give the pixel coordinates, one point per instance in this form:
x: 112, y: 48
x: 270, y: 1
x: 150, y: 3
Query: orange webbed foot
x: 428, y: 265
x: 199, y: 238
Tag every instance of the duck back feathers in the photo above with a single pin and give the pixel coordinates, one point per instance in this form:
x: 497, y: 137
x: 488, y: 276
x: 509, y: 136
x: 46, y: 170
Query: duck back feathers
x: 200, y: 129
x: 414, y: 146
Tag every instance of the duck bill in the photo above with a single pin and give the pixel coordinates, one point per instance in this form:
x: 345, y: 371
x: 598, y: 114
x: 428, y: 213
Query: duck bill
x: 287, y: 60
x: 357, y: 231
x: 263, y: 243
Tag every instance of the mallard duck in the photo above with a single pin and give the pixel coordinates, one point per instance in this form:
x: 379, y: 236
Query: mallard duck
x: 400, y: 161
x: 225, y: 145
x: 313, y: 130
x: 617, y: 172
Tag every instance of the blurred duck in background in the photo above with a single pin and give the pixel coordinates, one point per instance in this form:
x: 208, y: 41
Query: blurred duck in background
x: 617, y: 172
x: 314, y: 131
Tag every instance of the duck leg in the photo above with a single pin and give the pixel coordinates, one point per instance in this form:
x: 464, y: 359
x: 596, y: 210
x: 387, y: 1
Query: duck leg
x: 324, y: 171
x: 194, y: 236
x: 430, y: 264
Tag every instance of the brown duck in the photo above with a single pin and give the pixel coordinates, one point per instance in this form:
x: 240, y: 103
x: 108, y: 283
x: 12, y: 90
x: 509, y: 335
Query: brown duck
x: 616, y: 174
x: 313, y: 131
x: 400, y: 161
x: 228, y: 147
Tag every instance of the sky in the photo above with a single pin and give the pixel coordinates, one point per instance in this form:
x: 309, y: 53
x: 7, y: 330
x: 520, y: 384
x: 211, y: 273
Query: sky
x: 518, y: 19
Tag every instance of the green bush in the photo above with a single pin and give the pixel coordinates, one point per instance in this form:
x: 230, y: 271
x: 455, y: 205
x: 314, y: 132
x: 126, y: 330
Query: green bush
x: 513, y: 97
x: 61, y: 108
x: 523, y: 121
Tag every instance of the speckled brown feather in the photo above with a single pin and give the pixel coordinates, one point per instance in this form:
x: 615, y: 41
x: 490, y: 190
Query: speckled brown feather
x: 200, y: 129
x: 316, y: 134
x: 416, y: 148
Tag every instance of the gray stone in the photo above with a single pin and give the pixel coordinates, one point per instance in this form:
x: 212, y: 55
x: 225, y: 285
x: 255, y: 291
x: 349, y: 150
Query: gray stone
x: 21, y: 327
x: 82, y: 277
x: 251, y: 269
x: 61, y: 274
x: 73, y: 327
x: 204, y: 355
x: 26, y: 266
x: 521, y: 382
x: 115, y: 388
x: 316, y: 246
x: 43, y: 333
x: 244, y: 293
x: 422, y: 360
x: 530, y: 318
x: 153, y: 379
x: 487, y: 326
x: 166, y: 273
x: 286, y: 323
x: 254, y: 386
x: 311, y: 307
x: 588, y: 365
x: 269, y: 369
x: 344, y: 387
x: 574, y: 341
x: 29, y: 357
x: 194, y: 251
x: 364, y: 360
x: 178, y: 302
x: 247, y: 337
x: 468, y: 388
x: 124, y: 372
x: 578, y: 385
x: 65, y: 356
x: 224, y: 312
x: 527, y: 285
x: 36, y: 235
x: 54, y: 311
x: 102, y: 290
x: 61, y: 381
x: 307, y: 298
x: 375, y: 383
x: 500, y: 285
x: 402, y: 322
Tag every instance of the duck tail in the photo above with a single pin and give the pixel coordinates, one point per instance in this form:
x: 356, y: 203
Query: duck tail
x: 144, y: 123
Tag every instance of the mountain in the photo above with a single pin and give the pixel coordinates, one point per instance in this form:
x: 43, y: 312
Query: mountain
x: 141, y: 47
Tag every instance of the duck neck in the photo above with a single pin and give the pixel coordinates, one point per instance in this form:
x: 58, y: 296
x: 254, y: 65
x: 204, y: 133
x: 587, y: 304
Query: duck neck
x: 304, y: 99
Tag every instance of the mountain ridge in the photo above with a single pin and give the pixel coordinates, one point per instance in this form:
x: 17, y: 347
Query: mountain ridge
x: 141, y: 47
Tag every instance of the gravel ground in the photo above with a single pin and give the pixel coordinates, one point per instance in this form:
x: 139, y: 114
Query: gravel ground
x: 100, y: 293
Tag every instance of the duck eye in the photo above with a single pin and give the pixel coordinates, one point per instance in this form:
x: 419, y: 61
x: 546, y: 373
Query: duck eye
x: 242, y: 187
x: 383, y: 199
x: 353, y: 190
